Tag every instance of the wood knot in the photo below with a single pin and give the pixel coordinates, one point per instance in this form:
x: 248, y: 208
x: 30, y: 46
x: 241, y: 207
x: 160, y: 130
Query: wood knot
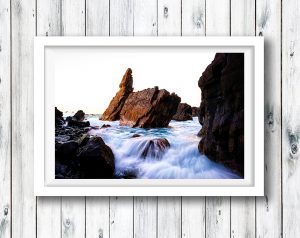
x: 294, y: 149
x: 293, y: 141
x: 6, y: 210
x: 100, y: 233
x: 270, y: 120
x: 260, y: 33
x: 166, y: 12
x: 68, y: 222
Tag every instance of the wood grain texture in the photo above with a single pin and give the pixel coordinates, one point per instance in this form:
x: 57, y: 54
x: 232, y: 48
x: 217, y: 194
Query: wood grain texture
x: 23, y: 16
x: 242, y: 24
x: 48, y: 23
x: 97, y: 217
x: 169, y: 217
x: 121, y: 217
x: 169, y: 17
x: 218, y: 208
x: 5, y: 121
x: 193, y: 17
x: 290, y: 117
x: 97, y: 17
x: 121, y: 17
x: 193, y: 217
x: 268, y: 208
x: 73, y: 217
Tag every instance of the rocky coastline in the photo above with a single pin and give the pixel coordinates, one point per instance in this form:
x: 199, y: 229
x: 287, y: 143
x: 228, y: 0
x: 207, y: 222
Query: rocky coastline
x: 79, y: 155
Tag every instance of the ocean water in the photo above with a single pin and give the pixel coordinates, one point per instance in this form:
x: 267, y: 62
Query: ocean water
x: 181, y: 161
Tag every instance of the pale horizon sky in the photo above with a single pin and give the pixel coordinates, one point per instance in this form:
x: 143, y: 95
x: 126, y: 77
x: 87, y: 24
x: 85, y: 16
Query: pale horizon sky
x: 88, y: 78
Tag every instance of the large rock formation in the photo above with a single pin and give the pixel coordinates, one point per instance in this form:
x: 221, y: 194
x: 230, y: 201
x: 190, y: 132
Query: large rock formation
x: 195, y: 111
x: 149, y: 108
x: 112, y: 113
x: 184, y: 112
x: 222, y: 111
x: 78, y: 120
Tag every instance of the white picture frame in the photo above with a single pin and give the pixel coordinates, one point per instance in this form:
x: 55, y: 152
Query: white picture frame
x: 45, y: 183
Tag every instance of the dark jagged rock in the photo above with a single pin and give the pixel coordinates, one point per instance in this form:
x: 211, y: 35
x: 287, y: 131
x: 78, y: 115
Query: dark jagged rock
x: 149, y: 108
x: 105, y: 126
x: 184, y: 112
x: 112, y: 113
x: 79, y: 116
x: 96, y: 159
x: 195, y: 111
x: 222, y: 111
x: 135, y: 135
x: 79, y: 123
x: 59, y: 120
x: 154, y: 148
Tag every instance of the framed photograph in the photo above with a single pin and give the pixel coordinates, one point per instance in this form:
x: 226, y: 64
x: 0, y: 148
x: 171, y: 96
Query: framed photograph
x: 149, y: 116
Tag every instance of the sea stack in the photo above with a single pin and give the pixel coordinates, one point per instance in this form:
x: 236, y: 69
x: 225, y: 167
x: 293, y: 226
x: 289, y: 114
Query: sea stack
x: 183, y: 113
x: 148, y: 108
x: 222, y: 111
x: 112, y: 113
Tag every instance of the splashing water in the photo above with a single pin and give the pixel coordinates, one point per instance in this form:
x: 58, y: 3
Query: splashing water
x: 181, y: 161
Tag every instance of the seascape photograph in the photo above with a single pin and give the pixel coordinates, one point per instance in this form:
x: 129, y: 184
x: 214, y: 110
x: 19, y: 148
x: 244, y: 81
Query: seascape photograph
x: 149, y: 114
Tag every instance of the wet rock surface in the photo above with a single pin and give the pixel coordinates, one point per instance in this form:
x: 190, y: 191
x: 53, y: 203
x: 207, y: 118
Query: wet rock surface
x: 222, y: 111
x: 154, y: 148
x: 183, y: 113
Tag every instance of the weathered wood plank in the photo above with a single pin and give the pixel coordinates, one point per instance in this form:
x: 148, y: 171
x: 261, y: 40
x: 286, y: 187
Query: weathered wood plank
x: 73, y: 217
x: 145, y: 208
x: 193, y: 17
x: 145, y: 17
x: 23, y: 200
x: 169, y: 208
x: 73, y: 209
x: 218, y: 208
x: 169, y: 217
x: 73, y: 17
x: 5, y: 120
x: 193, y: 217
x: 97, y: 18
x: 48, y: 208
x: 121, y: 217
x: 145, y: 217
x: 48, y: 223
x: 169, y: 17
x: 193, y: 208
x: 97, y: 217
x: 290, y: 117
x: 218, y: 17
x: 242, y: 208
x: 121, y: 17
x: 268, y: 208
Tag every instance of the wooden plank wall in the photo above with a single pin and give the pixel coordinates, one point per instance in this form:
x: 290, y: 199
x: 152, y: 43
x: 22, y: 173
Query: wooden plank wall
x: 274, y: 215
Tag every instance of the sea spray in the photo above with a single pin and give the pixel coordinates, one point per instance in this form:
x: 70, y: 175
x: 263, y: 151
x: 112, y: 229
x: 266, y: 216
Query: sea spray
x: 181, y: 161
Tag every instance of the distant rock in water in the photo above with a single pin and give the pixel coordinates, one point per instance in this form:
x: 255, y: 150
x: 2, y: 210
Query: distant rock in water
x: 184, y: 112
x: 149, y: 108
x: 112, y: 113
x: 79, y: 115
x: 154, y: 148
x: 222, y: 110
x: 59, y: 120
x: 195, y: 111
x: 77, y: 120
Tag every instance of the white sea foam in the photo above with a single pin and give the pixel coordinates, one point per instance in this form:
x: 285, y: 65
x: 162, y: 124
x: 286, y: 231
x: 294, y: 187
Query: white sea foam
x: 181, y: 161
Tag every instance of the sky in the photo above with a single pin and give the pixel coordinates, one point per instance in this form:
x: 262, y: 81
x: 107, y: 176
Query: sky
x: 87, y: 78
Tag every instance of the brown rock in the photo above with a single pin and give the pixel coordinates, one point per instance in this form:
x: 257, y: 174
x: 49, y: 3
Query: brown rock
x: 112, y: 113
x: 184, y: 112
x: 79, y: 116
x: 222, y: 111
x: 149, y: 108
x: 154, y: 148
x: 195, y: 111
